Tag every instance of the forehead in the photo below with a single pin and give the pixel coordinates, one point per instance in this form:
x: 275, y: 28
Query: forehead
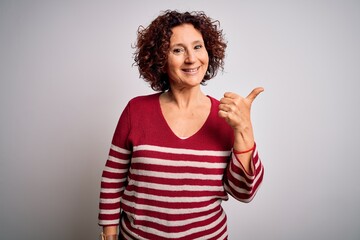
x: 185, y: 34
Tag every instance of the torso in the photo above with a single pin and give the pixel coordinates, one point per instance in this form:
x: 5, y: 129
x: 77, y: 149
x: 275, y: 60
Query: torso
x: 185, y: 122
x: 174, y: 186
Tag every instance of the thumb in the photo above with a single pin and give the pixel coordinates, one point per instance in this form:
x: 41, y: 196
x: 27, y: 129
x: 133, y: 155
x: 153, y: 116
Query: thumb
x: 254, y: 93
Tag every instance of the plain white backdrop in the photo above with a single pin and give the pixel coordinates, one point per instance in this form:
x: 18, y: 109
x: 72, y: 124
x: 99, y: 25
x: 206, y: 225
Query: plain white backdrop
x: 66, y: 73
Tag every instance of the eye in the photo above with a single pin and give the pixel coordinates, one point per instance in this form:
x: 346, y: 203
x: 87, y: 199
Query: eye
x: 197, y: 47
x: 178, y: 50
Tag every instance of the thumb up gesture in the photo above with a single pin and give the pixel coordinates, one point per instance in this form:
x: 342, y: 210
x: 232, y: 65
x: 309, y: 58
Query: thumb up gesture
x: 236, y: 112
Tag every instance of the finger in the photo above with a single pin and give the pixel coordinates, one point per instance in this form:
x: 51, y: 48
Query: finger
x: 226, y: 100
x: 222, y: 107
x: 226, y: 107
x: 230, y: 95
x: 254, y: 93
x: 222, y: 114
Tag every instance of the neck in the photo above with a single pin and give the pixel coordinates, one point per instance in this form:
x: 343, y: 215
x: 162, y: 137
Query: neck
x: 185, y: 98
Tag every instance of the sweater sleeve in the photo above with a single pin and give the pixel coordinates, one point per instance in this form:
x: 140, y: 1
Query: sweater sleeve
x: 114, y: 175
x: 240, y: 184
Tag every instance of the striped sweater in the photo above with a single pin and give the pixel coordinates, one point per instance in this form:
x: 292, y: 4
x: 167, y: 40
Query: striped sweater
x: 156, y: 185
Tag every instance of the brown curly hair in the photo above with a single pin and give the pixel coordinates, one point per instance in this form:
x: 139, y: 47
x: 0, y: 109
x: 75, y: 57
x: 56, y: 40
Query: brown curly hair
x: 153, y: 42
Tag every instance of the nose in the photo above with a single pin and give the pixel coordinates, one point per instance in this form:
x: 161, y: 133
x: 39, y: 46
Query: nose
x: 190, y: 56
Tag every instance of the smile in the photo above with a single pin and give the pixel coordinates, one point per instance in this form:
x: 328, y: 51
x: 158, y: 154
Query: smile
x: 191, y: 70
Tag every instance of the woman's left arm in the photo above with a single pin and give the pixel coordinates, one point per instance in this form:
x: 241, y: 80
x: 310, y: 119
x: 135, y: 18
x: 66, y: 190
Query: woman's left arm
x: 245, y: 171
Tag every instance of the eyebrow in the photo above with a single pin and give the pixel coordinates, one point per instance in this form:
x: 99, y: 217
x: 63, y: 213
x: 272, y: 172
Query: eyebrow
x: 182, y: 45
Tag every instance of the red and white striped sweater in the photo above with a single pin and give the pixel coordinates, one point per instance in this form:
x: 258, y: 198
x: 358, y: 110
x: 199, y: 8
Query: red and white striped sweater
x: 159, y: 186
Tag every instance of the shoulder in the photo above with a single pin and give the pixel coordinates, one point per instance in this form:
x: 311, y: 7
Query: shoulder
x: 144, y: 100
x: 142, y: 106
x: 213, y: 100
x: 220, y: 122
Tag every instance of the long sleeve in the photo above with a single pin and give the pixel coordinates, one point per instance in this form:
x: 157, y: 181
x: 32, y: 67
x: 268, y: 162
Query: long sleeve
x: 240, y: 184
x: 166, y: 187
x: 114, y: 176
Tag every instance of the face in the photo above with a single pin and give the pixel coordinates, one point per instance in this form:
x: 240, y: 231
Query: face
x: 188, y: 59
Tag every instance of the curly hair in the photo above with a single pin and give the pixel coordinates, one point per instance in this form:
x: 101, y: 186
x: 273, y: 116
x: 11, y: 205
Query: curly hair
x: 153, y: 43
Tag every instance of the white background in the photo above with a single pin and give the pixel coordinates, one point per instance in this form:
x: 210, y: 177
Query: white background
x: 66, y: 73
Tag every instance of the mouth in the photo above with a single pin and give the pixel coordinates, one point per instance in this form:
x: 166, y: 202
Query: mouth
x: 191, y: 70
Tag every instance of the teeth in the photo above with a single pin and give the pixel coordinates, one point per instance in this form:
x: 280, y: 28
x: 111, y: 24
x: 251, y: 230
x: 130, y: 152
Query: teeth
x: 191, y: 70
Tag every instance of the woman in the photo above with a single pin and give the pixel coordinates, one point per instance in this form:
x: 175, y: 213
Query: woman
x: 177, y: 154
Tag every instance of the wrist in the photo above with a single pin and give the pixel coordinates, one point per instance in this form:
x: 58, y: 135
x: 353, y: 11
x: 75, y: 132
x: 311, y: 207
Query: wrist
x: 235, y: 151
x: 108, y: 237
x: 243, y: 128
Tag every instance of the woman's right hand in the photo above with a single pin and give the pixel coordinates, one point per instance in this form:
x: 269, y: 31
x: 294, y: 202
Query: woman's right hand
x: 109, y: 233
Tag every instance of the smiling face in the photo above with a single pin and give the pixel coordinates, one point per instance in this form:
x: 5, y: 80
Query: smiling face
x: 188, y: 59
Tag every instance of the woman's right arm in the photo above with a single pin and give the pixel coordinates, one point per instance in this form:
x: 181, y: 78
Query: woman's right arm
x: 114, y: 176
x: 110, y: 232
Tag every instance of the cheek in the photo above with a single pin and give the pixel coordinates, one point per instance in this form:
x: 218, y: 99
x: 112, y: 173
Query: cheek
x: 206, y: 62
x: 171, y: 69
x: 173, y: 64
x: 205, y: 57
